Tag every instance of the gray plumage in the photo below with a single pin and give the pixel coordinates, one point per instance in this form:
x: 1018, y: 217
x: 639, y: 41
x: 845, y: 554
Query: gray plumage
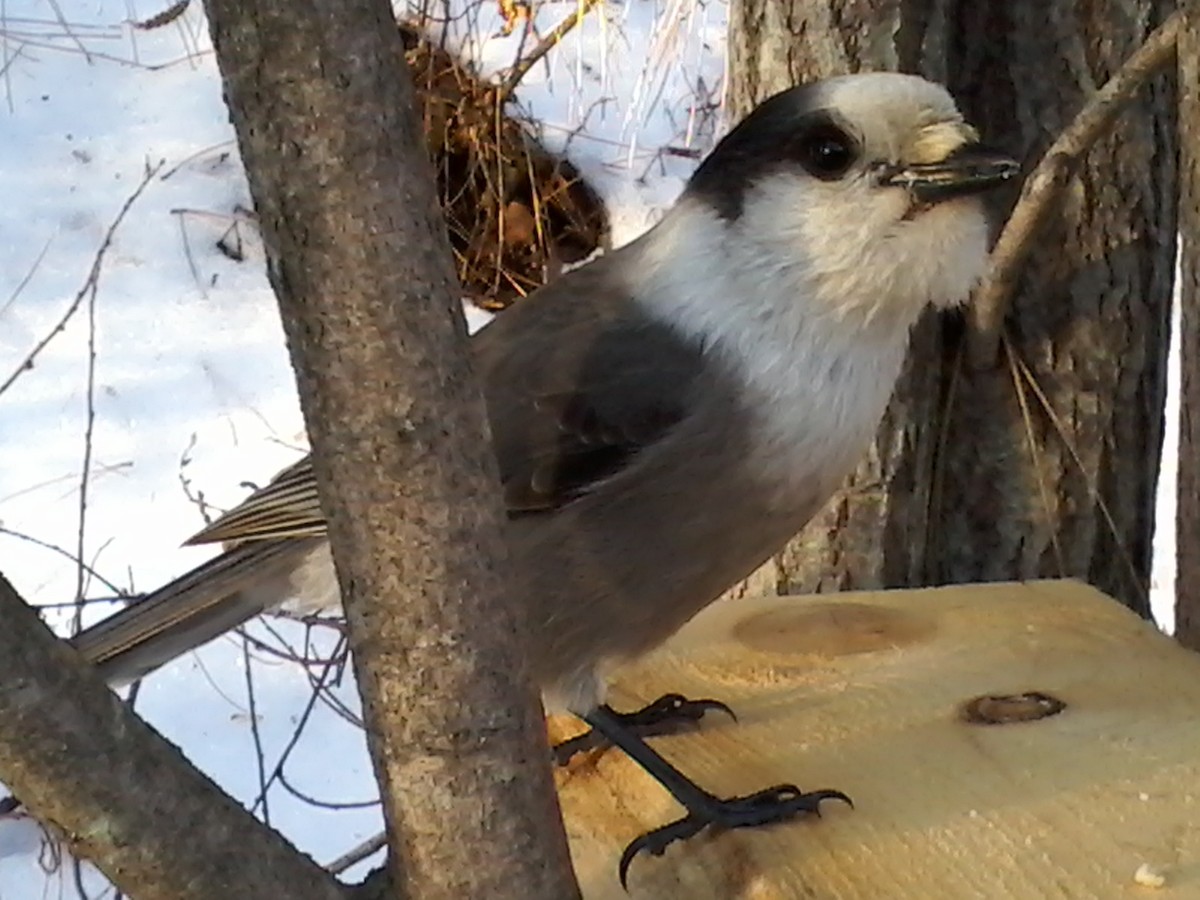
x: 665, y: 417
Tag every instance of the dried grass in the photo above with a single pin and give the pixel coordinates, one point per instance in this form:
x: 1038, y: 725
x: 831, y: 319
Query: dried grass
x: 516, y: 213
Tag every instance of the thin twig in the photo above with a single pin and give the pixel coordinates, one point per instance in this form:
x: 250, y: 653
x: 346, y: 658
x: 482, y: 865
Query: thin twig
x: 24, y: 282
x: 77, y: 877
x: 259, y: 754
x: 358, y: 854
x: 195, y: 497
x: 1090, y: 481
x: 110, y: 57
x: 120, y: 592
x: 1018, y: 373
x: 89, y: 431
x: 314, y: 697
x: 93, y: 279
x: 103, y: 468
x: 166, y: 17
x: 522, y: 66
x: 1048, y: 180
x: 231, y: 144
x: 187, y: 255
x: 62, y: 20
x: 325, y: 804
x: 329, y: 699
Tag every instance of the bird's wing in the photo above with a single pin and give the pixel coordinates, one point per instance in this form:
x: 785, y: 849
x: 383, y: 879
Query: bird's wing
x: 574, y: 392
x: 592, y: 441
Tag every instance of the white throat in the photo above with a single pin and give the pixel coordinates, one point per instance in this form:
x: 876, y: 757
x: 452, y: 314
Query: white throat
x: 819, y: 370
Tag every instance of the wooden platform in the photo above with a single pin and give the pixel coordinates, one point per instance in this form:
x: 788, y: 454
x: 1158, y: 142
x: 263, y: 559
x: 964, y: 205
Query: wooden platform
x: 864, y: 692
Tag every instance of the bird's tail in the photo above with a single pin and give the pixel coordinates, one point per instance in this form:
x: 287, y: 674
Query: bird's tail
x: 188, y: 612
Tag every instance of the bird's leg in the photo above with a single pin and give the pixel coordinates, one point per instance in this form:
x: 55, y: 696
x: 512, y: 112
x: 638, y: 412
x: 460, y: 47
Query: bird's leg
x: 774, y: 804
x: 669, y: 714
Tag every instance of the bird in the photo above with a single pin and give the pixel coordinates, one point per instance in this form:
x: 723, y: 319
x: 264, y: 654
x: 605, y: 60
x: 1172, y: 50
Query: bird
x: 668, y: 415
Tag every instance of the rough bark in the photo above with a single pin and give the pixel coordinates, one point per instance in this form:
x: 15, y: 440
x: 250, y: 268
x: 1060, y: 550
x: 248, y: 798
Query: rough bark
x: 969, y: 478
x: 1187, y: 522
x: 359, y: 260
x: 118, y: 793
x: 868, y: 535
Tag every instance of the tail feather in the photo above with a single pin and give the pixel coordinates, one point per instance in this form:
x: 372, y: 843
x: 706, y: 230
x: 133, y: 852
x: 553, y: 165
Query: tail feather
x: 189, y: 611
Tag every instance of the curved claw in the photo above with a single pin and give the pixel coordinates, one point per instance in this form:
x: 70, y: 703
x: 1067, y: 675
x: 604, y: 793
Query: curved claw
x: 657, y: 841
x: 765, y: 807
x: 676, y: 706
x: 775, y: 804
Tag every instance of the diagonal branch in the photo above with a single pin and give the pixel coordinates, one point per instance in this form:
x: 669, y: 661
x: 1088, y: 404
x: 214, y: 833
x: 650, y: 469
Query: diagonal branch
x: 1046, y: 183
x: 89, y: 285
x: 123, y: 797
x: 521, y: 68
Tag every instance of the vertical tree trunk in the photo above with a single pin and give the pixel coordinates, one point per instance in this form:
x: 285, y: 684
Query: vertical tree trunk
x: 359, y: 259
x: 1187, y: 528
x: 969, y: 478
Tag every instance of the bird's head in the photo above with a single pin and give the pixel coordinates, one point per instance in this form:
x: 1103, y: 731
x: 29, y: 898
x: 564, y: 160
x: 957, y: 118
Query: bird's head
x: 866, y: 185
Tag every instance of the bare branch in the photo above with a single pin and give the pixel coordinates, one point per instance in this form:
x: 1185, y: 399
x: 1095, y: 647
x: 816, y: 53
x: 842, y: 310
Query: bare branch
x: 24, y: 282
x: 1045, y: 185
x: 89, y: 430
x: 351, y: 858
x: 123, y: 797
x: 120, y: 593
x: 544, y: 46
x: 89, y: 285
x: 166, y: 17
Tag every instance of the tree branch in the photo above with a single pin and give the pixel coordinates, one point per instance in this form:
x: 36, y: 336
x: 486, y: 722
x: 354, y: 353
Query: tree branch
x: 1045, y: 185
x: 122, y: 796
x: 522, y: 66
x: 89, y: 285
x: 360, y: 262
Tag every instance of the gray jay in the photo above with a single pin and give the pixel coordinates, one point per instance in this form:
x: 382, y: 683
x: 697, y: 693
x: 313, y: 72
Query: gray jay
x: 669, y: 415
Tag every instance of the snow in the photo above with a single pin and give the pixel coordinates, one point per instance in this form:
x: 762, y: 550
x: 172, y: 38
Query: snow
x: 1162, y: 574
x: 191, y: 390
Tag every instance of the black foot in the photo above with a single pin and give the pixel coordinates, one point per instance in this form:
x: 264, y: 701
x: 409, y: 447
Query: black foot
x: 776, y: 804
x: 668, y: 714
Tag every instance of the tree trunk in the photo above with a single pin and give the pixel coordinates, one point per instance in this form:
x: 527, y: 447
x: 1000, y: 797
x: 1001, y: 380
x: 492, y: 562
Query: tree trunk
x: 970, y: 477
x: 1187, y: 527
x: 358, y: 257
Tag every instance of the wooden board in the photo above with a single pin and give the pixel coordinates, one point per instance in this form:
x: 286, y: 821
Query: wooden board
x: 863, y: 692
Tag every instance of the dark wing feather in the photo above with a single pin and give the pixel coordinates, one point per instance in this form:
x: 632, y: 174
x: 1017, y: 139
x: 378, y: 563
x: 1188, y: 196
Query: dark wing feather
x: 574, y: 391
x: 575, y: 395
x: 592, y: 444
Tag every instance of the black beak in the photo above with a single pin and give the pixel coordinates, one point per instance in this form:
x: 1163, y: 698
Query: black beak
x: 971, y: 169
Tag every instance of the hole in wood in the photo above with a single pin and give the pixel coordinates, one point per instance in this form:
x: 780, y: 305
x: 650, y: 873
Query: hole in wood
x: 1004, y: 709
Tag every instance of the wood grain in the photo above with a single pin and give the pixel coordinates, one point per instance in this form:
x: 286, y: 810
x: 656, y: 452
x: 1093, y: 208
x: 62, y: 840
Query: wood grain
x: 864, y: 692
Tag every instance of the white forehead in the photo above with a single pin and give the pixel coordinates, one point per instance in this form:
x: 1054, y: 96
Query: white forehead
x: 887, y: 108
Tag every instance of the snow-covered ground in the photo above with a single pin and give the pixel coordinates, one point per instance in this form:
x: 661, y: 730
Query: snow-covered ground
x: 169, y: 384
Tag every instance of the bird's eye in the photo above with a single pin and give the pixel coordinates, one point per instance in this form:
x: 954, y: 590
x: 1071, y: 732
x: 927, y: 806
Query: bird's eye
x: 827, y: 152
